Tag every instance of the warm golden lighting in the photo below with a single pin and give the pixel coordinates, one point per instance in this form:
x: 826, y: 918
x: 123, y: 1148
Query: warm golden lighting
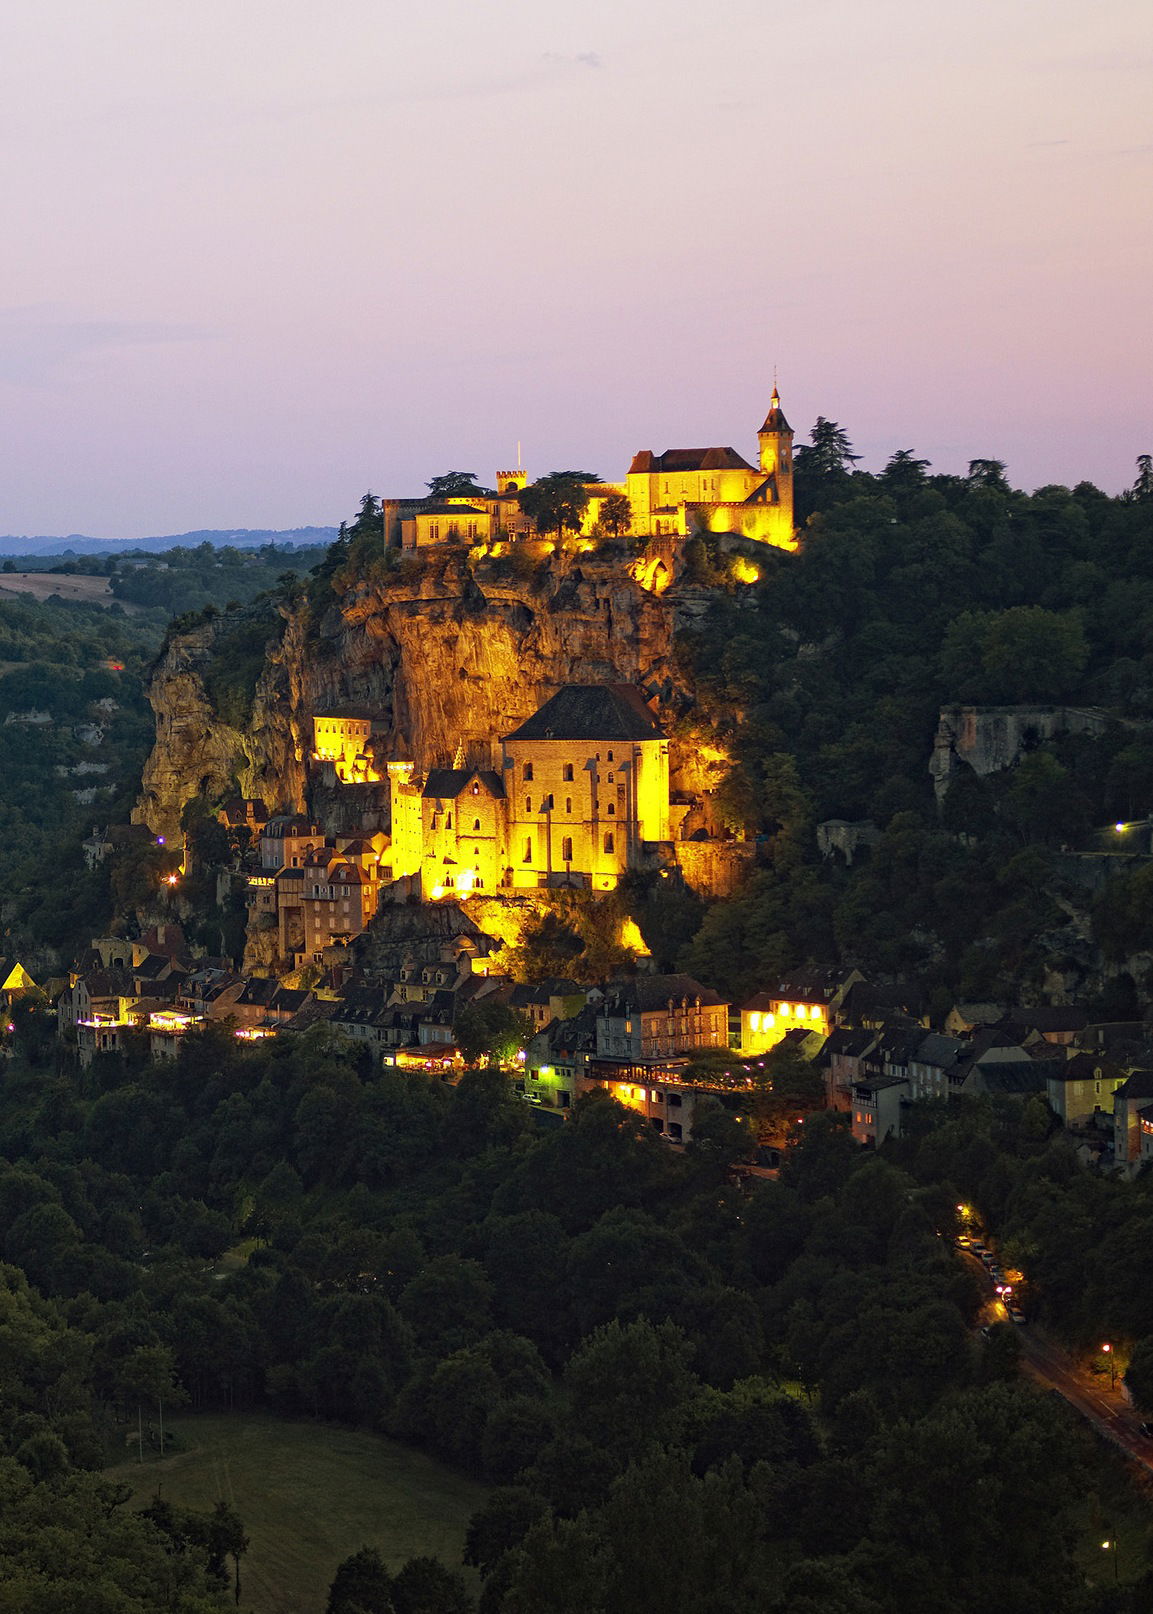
x: 744, y: 571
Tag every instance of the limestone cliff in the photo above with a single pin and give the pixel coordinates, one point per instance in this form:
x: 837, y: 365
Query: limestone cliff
x: 446, y: 655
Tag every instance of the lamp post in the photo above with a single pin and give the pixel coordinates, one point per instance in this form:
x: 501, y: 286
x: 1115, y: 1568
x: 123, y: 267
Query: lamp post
x: 1108, y: 1349
x: 1111, y: 1546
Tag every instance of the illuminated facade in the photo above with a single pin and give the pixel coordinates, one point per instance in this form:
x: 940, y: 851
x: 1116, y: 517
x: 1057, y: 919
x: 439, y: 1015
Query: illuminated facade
x: 344, y: 741
x: 806, y: 1000
x: 582, y: 790
x: 679, y: 492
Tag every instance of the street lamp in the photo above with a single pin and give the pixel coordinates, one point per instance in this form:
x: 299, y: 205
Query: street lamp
x: 1111, y: 1546
x: 1108, y: 1349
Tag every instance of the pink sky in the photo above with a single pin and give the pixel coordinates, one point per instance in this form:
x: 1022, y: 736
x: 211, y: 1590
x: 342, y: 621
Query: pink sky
x: 262, y: 255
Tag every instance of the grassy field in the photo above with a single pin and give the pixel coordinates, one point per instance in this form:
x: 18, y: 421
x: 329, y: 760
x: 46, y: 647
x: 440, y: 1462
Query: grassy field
x: 310, y: 1494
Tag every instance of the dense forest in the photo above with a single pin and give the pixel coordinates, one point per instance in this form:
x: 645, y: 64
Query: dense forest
x: 685, y: 1395
x: 913, y: 591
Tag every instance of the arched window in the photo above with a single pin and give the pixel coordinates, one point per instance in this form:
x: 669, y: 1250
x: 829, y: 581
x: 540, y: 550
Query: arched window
x: 528, y: 804
x: 528, y: 850
x: 611, y: 810
x: 476, y: 824
x: 609, y: 844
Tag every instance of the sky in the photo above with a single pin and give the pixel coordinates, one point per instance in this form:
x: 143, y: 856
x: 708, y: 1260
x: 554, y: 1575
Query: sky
x: 260, y: 256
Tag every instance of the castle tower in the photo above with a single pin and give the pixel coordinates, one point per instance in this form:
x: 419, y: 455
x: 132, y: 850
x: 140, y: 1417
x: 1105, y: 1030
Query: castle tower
x: 776, y: 440
x: 511, y: 481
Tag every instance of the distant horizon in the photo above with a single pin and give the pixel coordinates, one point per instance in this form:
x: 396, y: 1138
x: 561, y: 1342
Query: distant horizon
x: 268, y: 533
x: 267, y: 260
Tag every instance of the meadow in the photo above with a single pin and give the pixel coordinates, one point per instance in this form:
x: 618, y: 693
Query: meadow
x: 309, y: 1495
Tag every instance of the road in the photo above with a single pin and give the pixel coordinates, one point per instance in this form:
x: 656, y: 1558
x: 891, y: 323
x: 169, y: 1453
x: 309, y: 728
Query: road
x: 1102, y: 1404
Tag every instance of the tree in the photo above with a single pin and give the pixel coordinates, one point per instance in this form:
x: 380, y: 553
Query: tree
x: 492, y: 1030
x: 425, y: 1586
x: 1142, y: 488
x: 616, y: 515
x: 361, y: 1585
x: 904, y: 473
x: 988, y: 474
x: 557, y: 502
x: 500, y: 1524
x: 831, y: 452
x: 454, y: 485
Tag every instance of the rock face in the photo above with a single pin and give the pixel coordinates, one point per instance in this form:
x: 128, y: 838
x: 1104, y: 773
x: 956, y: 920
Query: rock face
x: 989, y: 738
x: 447, y: 658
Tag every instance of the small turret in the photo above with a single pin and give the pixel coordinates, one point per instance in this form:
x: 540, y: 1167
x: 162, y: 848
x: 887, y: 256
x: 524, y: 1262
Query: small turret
x: 776, y: 440
x: 511, y: 481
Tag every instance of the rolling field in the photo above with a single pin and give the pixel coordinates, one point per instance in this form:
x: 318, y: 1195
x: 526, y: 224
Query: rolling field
x: 309, y: 1495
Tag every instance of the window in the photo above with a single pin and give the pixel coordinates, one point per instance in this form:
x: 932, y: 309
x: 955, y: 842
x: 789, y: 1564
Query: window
x: 566, y: 849
x: 547, y: 803
x: 611, y: 776
x: 528, y: 850
x: 611, y: 809
x: 566, y: 772
x: 564, y: 1100
x: 528, y: 770
x: 475, y: 788
x: 610, y: 757
x: 568, y: 804
x: 475, y: 824
x: 528, y: 804
x: 448, y: 822
x: 609, y: 844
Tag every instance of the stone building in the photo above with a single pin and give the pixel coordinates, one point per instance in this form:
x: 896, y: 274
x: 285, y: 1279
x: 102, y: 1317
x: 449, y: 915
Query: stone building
x: 581, y: 795
x: 677, y: 492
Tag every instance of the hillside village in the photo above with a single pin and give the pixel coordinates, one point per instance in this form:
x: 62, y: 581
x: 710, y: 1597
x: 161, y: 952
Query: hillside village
x: 390, y: 868
x: 381, y: 936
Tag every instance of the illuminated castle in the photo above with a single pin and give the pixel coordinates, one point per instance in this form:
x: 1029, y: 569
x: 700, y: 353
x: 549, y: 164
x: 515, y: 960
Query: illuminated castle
x: 679, y: 492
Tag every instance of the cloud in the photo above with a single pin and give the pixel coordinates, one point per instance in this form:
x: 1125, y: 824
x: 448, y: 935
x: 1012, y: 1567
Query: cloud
x: 37, y: 344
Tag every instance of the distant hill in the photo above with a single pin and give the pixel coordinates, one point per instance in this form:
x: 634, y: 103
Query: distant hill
x: 236, y: 537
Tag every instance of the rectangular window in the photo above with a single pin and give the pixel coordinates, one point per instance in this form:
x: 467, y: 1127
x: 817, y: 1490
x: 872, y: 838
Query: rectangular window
x: 609, y: 843
x: 528, y: 850
x: 528, y: 770
x: 567, y: 773
x: 568, y: 804
x: 566, y: 849
x: 528, y: 804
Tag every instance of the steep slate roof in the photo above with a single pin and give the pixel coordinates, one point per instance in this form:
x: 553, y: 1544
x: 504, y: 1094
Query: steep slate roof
x: 591, y: 712
x: 654, y: 991
x: 688, y: 459
x: 775, y: 419
x: 446, y: 784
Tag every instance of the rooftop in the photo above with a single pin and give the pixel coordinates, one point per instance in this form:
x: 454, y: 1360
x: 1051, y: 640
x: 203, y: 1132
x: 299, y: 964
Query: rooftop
x: 591, y: 712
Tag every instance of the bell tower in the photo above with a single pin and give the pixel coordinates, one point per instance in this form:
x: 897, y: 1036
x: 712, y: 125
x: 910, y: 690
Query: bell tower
x: 776, y: 440
x: 776, y: 445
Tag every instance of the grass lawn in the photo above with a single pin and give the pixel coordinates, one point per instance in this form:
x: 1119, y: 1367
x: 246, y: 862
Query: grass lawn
x: 309, y: 1494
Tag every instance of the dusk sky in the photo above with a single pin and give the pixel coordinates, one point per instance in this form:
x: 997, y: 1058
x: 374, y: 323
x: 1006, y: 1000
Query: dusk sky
x: 262, y: 255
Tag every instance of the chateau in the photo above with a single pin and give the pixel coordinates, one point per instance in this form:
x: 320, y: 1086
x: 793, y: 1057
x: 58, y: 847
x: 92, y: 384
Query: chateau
x: 676, y: 493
